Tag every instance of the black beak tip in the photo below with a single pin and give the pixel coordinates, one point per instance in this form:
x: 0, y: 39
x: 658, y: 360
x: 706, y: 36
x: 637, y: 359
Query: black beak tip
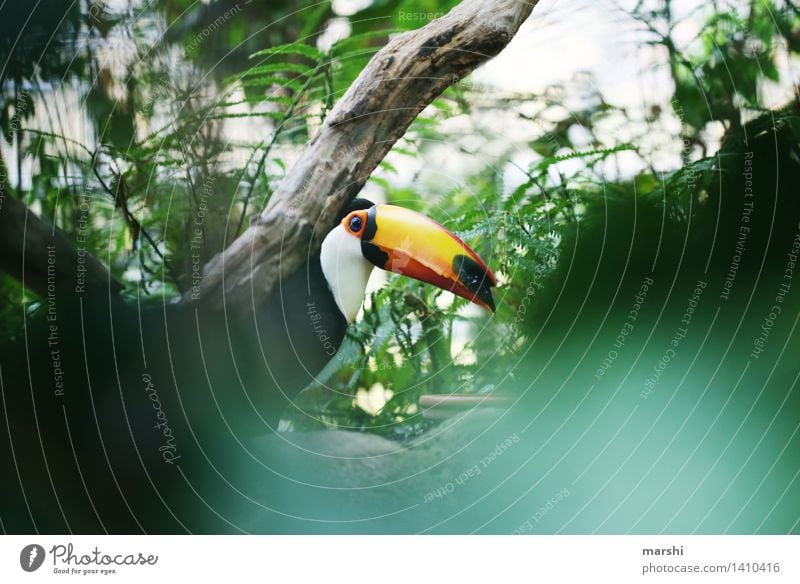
x: 475, y: 279
x: 490, y: 302
x: 483, y: 292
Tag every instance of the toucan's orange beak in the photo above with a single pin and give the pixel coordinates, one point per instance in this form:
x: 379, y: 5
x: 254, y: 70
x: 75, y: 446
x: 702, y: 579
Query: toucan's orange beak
x: 406, y: 242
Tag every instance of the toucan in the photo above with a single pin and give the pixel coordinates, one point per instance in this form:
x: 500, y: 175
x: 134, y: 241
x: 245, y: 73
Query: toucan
x: 402, y: 241
x: 303, y: 325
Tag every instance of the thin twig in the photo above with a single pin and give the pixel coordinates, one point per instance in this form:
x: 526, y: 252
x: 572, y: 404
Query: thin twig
x: 276, y: 134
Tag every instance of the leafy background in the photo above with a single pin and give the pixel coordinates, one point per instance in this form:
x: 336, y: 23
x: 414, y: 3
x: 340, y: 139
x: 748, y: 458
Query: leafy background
x: 140, y: 105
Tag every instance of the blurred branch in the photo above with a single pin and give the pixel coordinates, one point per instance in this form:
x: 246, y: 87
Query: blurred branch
x: 399, y: 82
x: 39, y: 254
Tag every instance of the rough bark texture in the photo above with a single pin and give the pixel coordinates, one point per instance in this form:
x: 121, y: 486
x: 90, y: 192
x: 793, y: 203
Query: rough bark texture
x: 41, y: 256
x: 398, y: 83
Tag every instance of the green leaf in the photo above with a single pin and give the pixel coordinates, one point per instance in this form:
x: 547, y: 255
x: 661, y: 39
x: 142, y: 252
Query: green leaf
x: 272, y: 68
x: 272, y: 80
x: 342, y: 47
x: 291, y: 49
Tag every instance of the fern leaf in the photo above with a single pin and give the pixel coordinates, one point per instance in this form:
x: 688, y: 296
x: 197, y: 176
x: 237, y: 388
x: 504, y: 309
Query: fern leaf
x: 271, y: 80
x: 356, y: 40
x: 291, y: 49
x: 271, y: 68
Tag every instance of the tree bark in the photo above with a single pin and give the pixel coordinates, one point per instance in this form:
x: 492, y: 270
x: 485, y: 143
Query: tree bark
x: 400, y: 81
x: 42, y: 257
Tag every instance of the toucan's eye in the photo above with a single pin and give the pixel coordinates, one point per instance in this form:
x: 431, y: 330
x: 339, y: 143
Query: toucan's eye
x: 356, y: 224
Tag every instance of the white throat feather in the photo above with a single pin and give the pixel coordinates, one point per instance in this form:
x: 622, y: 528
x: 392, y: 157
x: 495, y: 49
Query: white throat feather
x: 346, y: 270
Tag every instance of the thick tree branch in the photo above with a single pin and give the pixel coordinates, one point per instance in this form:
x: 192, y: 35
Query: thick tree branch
x: 397, y: 84
x: 41, y: 256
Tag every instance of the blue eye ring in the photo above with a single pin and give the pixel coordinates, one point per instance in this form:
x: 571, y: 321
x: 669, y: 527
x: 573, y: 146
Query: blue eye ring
x: 356, y: 224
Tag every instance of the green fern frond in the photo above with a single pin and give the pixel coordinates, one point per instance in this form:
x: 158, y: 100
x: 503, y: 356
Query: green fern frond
x: 272, y: 115
x: 604, y: 152
x: 54, y: 136
x: 357, y: 40
x: 271, y: 80
x: 291, y: 49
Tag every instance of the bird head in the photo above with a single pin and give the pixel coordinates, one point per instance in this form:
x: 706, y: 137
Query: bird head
x: 405, y: 242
